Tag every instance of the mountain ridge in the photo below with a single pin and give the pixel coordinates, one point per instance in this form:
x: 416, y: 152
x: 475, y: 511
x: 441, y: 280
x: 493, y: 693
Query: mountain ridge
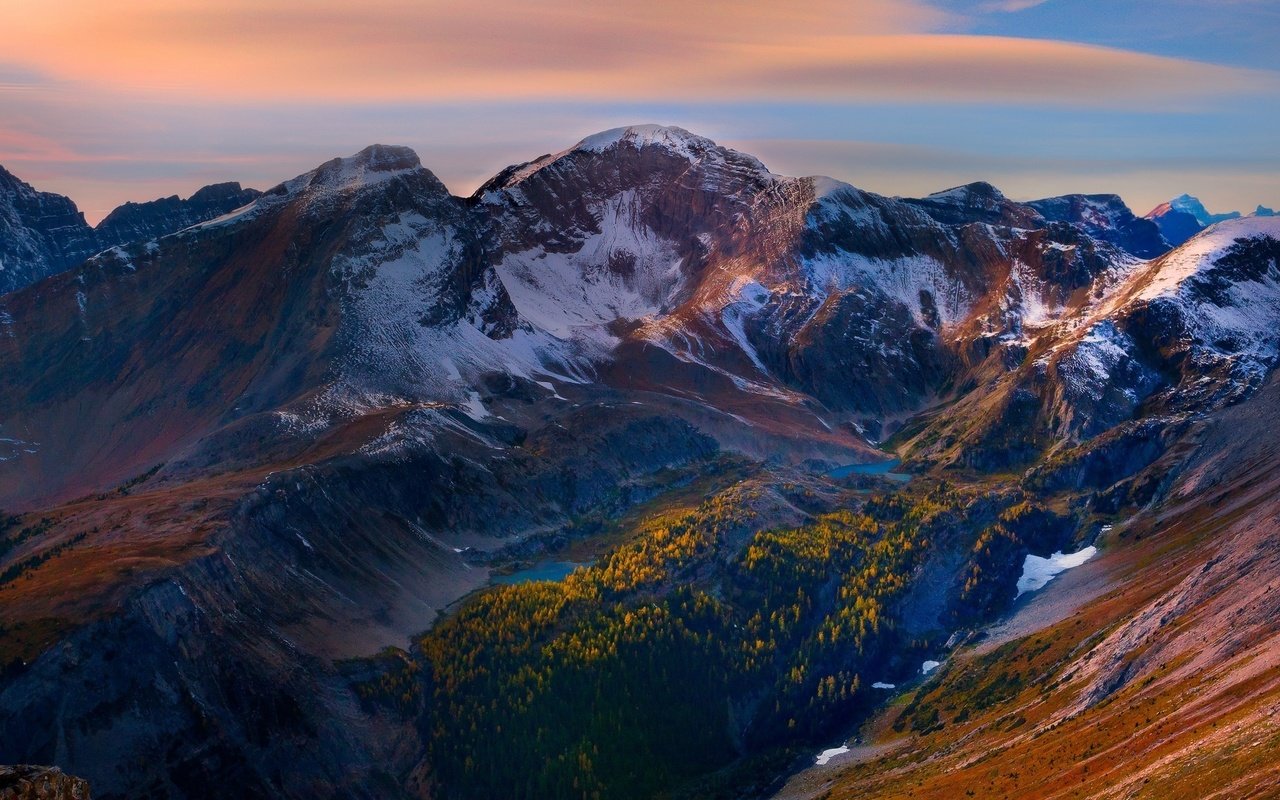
x: 302, y: 431
x: 1184, y: 216
x: 44, y: 233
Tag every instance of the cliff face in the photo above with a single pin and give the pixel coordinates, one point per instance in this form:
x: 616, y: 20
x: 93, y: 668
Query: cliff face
x: 42, y: 234
x: 24, y: 782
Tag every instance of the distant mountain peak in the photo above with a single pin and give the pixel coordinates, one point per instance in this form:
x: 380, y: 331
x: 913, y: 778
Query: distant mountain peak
x: 155, y: 218
x: 386, y: 158
x: 1108, y: 218
x: 641, y: 153
x: 374, y: 164
x: 217, y: 191
x: 968, y: 191
x: 1192, y: 205
x: 1185, y: 215
x: 648, y: 135
x: 976, y: 202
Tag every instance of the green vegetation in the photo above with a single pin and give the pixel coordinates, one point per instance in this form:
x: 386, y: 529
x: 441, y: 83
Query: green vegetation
x: 1001, y: 544
x: 138, y: 480
x: 30, y: 563
x: 698, y: 645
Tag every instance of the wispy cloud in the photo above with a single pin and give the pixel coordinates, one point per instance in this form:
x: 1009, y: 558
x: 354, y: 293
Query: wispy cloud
x: 1010, y: 6
x: 19, y: 78
x: 134, y: 98
x: 398, y: 50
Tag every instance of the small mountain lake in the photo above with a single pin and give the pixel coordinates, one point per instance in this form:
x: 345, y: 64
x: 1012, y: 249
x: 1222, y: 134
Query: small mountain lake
x: 882, y: 468
x: 547, y: 571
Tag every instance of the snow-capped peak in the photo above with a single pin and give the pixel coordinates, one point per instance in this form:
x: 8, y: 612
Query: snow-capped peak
x: 634, y: 139
x: 639, y: 136
x: 824, y: 188
x: 1203, y: 251
x: 967, y: 193
x: 1192, y: 205
x: 372, y: 165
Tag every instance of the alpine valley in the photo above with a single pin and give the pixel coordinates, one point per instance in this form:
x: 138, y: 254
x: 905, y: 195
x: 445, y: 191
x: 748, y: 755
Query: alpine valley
x: 641, y: 472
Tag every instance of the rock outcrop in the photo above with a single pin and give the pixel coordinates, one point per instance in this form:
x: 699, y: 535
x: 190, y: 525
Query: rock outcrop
x: 1107, y: 218
x: 24, y: 782
x: 41, y: 233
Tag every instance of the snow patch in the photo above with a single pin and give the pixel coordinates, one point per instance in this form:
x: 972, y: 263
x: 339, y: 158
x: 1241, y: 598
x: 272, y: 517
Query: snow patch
x: 676, y: 139
x: 826, y: 755
x: 1038, y: 571
x: 244, y: 212
x: 622, y: 272
x: 1102, y: 349
x: 749, y: 297
x: 12, y: 449
x: 903, y: 280
x: 551, y: 387
x: 473, y: 407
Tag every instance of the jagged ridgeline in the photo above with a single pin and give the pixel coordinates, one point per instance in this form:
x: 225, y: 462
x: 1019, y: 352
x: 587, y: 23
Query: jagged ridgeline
x: 42, y: 234
x: 275, y: 482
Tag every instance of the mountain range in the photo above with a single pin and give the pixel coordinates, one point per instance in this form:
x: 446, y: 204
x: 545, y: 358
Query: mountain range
x: 1184, y: 216
x: 42, y: 233
x: 263, y: 453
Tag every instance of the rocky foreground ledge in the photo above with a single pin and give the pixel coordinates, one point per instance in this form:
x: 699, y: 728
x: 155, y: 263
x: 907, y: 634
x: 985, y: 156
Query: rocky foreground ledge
x: 25, y: 782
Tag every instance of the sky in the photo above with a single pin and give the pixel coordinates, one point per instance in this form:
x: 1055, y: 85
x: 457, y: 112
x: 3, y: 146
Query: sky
x: 137, y: 99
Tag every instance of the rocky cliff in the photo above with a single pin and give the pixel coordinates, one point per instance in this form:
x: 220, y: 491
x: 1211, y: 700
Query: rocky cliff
x: 42, y: 233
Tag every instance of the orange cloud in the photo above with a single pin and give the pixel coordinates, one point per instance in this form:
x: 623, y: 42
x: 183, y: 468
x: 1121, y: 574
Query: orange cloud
x: 407, y: 50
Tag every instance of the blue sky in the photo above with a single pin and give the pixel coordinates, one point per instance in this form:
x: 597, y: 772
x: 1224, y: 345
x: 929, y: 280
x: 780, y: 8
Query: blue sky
x: 1237, y: 32
x: 1147, y: 99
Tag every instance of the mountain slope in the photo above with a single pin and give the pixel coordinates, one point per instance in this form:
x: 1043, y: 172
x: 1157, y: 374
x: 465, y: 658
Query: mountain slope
x: 1176, y: 336
x: 1176, y: 225
x: 42, y: 234
x: 1148, y: 671
x: 301, y: 431
x: 1106, y: 217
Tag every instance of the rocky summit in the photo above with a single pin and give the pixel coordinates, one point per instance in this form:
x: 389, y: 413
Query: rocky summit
x: 640, y: 471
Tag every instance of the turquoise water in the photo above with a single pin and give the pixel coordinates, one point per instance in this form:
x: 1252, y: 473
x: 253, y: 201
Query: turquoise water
x: 881, y: 468
x: 549, y: 571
